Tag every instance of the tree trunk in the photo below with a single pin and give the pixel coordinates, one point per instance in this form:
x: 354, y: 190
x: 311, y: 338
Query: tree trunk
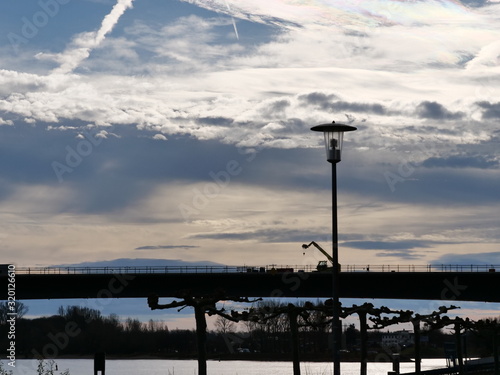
x: 458, y: 344
x: 495, y: 352
x: 416, y: 336
x: 201, y: 338
x: 294, y: 328
x: 363, y: 328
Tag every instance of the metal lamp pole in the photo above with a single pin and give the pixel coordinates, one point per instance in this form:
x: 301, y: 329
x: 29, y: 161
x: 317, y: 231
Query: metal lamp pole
x: 336, y: 325
x: 333, y: 142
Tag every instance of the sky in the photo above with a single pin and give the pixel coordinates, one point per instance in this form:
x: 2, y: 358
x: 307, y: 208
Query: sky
x: 181, y: 130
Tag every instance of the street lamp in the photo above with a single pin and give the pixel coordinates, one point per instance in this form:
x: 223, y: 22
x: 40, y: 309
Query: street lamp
x: 333, y: 142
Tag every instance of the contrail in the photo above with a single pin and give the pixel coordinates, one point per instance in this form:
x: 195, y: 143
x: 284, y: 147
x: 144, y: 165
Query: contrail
x: 71, y: 58
x: 232, y: 19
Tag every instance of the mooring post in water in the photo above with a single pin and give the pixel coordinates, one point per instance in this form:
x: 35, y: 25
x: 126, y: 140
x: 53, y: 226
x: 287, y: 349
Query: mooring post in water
x: 395, y: 363
x: 100, y: 363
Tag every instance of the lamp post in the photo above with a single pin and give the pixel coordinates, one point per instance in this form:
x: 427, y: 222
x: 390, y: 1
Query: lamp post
x: 333, y: 142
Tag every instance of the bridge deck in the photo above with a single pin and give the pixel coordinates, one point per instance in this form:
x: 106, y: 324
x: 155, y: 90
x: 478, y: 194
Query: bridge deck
x: 452, y: 285
x: 269, y: 268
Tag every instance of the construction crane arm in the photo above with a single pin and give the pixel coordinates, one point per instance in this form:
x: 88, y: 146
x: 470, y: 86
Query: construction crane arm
x: 328, y: 256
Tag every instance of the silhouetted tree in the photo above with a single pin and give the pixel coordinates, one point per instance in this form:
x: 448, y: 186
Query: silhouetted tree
x: 286, y: 318
x: 406, y: 316
x: 490, y: 330
x: 6, y: 308
x: 202, y: 305
x: 362, y: 312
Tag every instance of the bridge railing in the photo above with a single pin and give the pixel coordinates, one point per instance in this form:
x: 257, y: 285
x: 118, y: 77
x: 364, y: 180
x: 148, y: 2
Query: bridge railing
x: 421, y: 268
x: 253, y: 269
x: 126, y: 269
x: 159, y: 269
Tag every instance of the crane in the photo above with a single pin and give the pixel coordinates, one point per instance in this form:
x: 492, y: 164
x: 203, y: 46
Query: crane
x: 322, y: 264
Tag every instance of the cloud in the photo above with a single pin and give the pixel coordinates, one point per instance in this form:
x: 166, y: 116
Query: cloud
x: 387, y: 245
x: 319, y: 99
x: 436, y: 111
x: 84, y: 43
x: 491, y: 110
x: 404, y: 255
x: 188, y: 45
x: 396, y: 249
x: 165, y: 247
x: 6, y: 122
x: 332, y: 103
x: 264, y: 235
x: 475, y: 3
x: 138, y: 262
x: 487, y: 56
x: 160, y: 137
x: 373, y: 12
x: 461, y: 161
x: 490, y: 258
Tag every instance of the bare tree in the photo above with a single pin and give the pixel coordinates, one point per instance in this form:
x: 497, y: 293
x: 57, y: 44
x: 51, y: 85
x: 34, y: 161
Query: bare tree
x: 202, y: 305
x: 224, y: 325
x: 8, y: 308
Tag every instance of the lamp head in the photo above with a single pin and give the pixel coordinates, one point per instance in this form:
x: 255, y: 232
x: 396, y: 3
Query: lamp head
x: 333, y: 139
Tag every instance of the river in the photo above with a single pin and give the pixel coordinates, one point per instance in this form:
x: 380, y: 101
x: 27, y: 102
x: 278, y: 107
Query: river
x: 189, y: 367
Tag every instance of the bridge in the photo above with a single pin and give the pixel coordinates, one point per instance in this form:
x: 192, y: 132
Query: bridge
x: 427, y: 282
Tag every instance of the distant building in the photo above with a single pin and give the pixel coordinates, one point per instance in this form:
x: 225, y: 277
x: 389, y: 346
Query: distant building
x: 397, y: 338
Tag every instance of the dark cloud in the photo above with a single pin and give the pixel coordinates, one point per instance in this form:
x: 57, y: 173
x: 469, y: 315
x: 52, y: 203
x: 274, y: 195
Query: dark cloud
x: 395, y: 249
x: 429, y: 129
x: 409, y: 255
x: 491, y: 110
x: 476, y: 3
x: 387, y: 245
x: 375, y: 108
x: 331, y: 102
x: 220, y: 121
x: 412, y: 183
x: 318, y: 99
x: 165, y: 247
x: 279, y: 105
x: 492, y: 258
x: 120, y: 171
x: 461, y: 161
x: 265, y: 235
x: 140, y: 262
x: 436, y: 111
x: 109, y: 175
x: 26, y: 153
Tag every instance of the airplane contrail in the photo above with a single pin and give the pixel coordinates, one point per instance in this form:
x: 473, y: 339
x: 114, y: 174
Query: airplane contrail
x: 81, y: 47
x: 232, y: 19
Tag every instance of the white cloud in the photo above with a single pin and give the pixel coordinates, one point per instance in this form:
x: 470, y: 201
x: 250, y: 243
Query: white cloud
x: 6, y: 122
x: 341, y: 13
x: 84, y: 43
x: 160, y: 137
x: 489, y: 55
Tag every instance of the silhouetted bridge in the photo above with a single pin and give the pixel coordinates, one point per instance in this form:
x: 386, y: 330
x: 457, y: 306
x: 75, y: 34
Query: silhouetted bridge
x: 428, y: 282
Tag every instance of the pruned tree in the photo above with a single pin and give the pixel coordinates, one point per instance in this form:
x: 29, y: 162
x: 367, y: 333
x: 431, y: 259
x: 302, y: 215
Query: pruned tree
x: 490, y: 329
x: 406, y: 316
x: 363, y: 311
x: 202, y: 305
x: 289, y: 317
